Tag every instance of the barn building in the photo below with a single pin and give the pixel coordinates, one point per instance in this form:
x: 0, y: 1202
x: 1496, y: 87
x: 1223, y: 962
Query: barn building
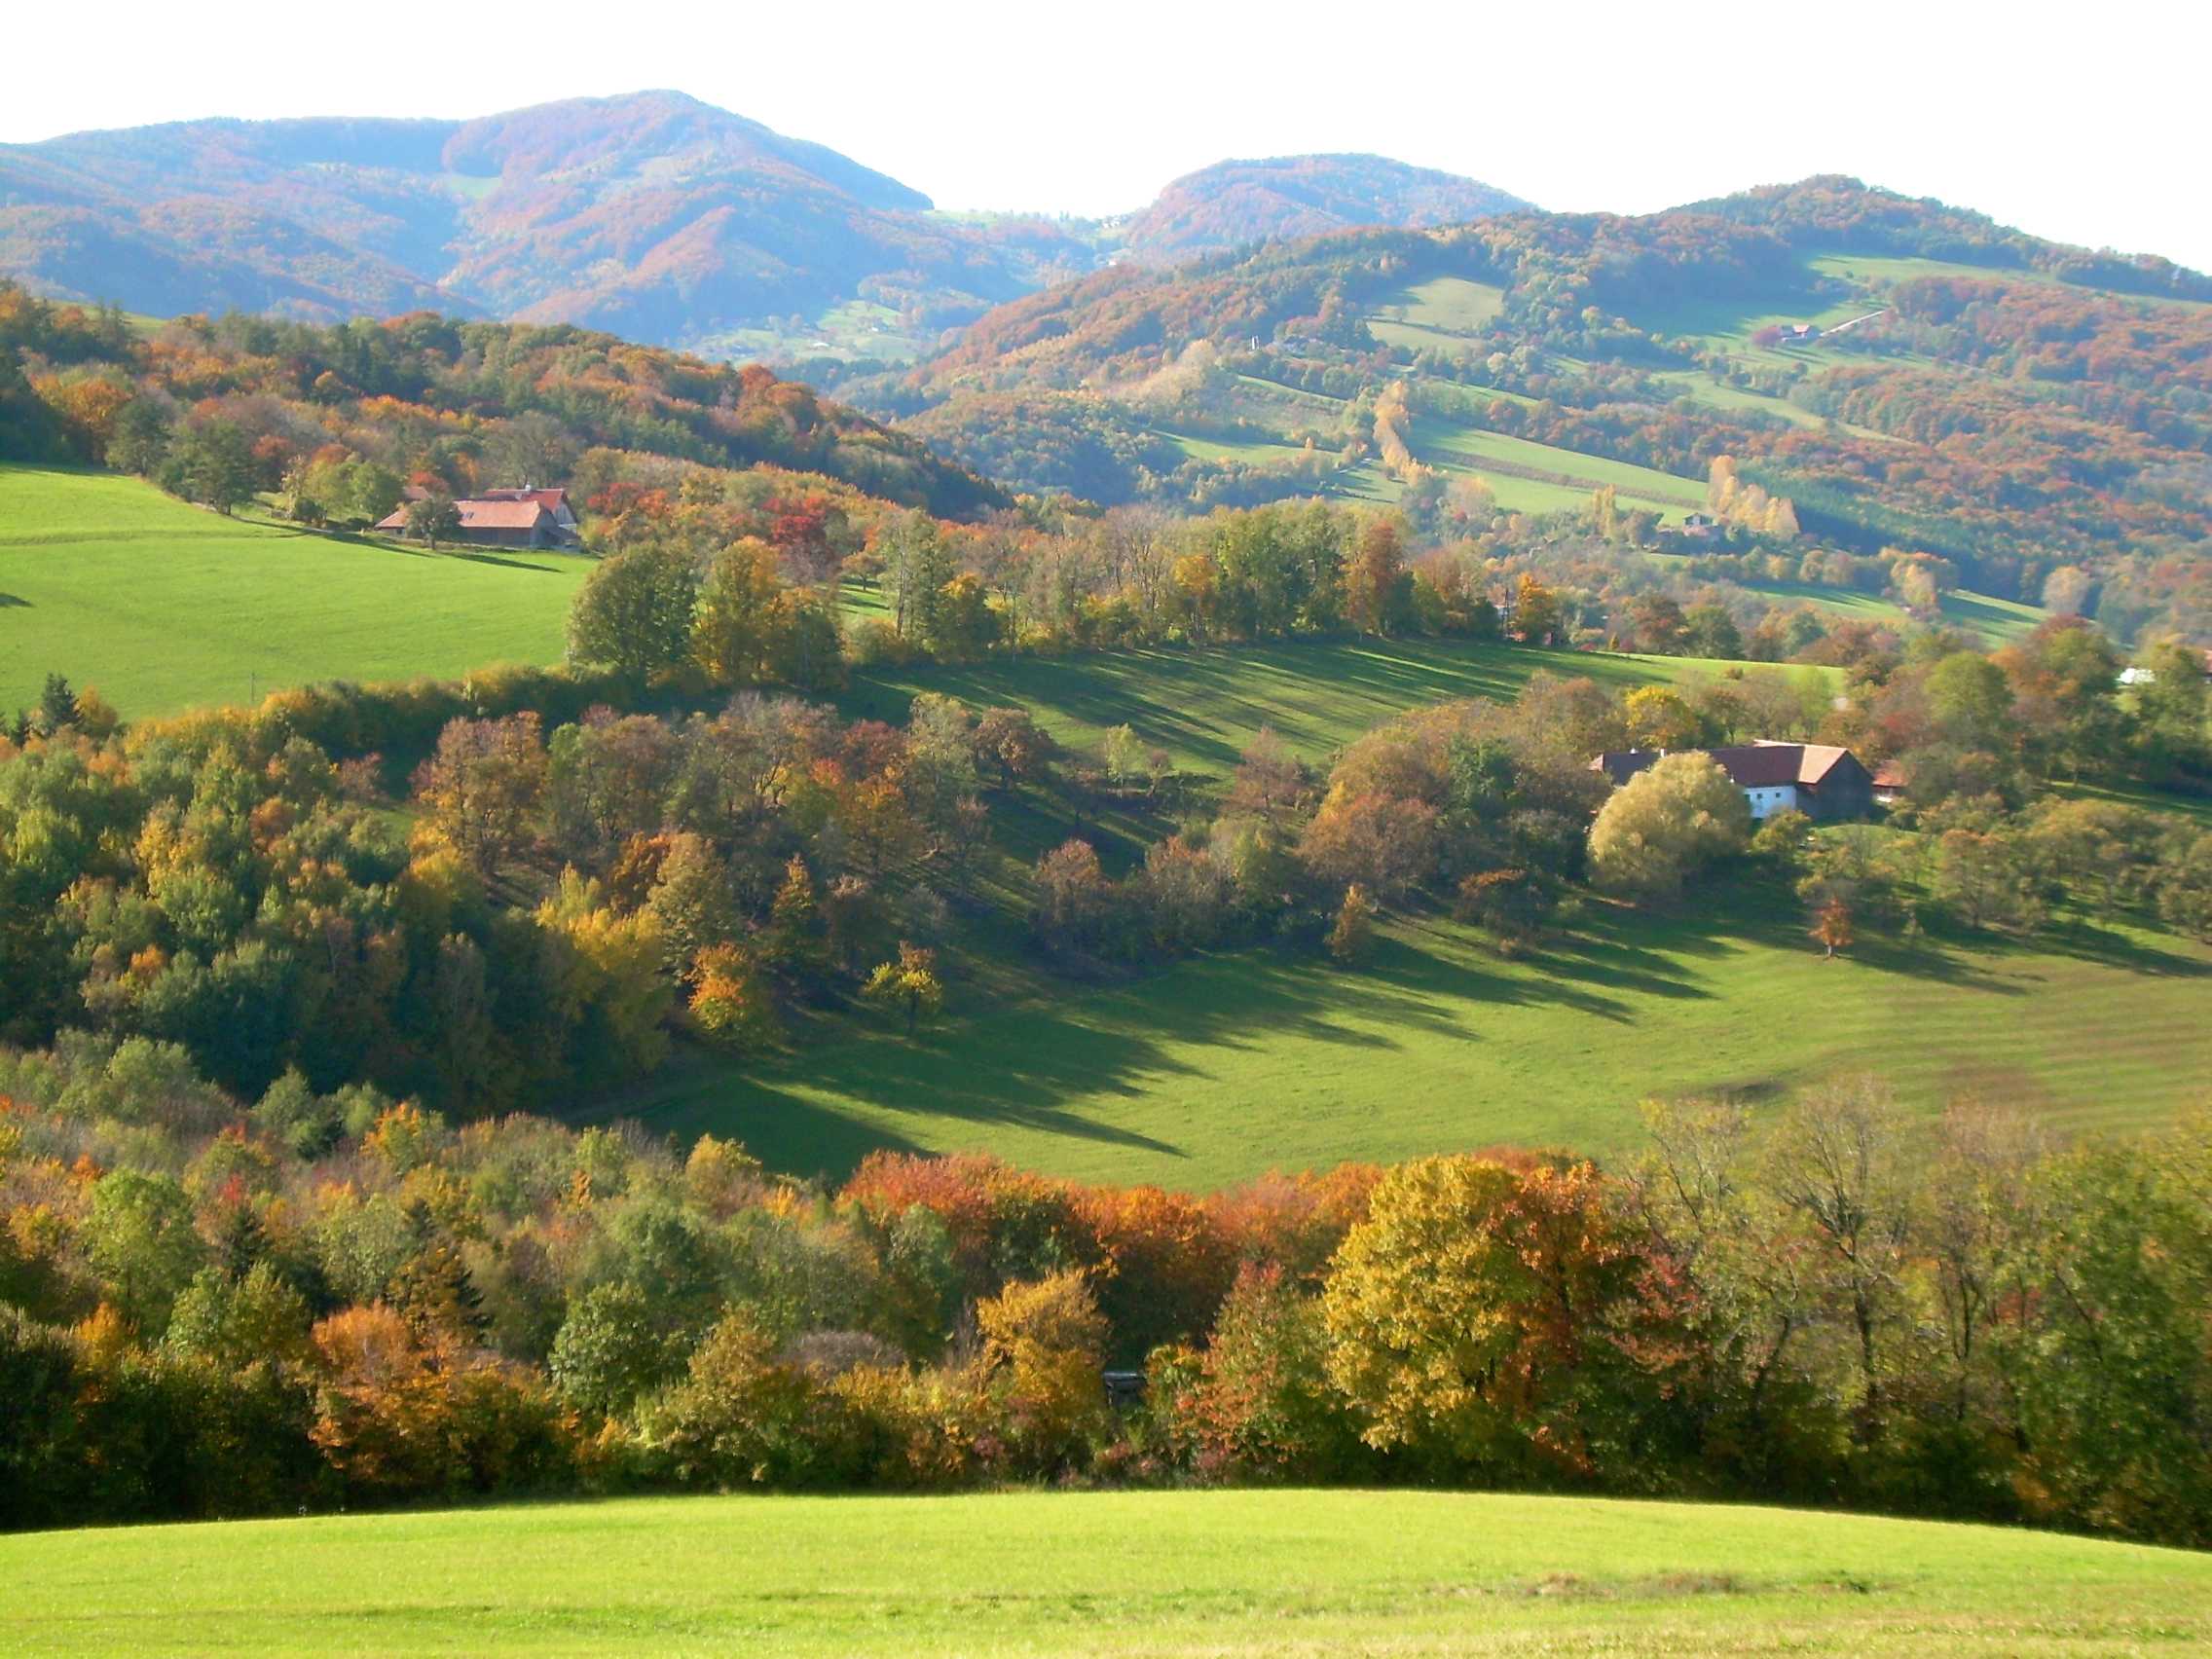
x: 527, y: 517
x: 1822, y: 780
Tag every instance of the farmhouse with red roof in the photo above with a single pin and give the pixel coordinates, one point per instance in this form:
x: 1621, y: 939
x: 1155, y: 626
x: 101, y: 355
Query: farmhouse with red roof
x: 527, y: 517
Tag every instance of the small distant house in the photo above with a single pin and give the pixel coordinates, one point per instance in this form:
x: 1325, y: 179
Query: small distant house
x: 503, y: 518
x: 1824, y: 782
x: 1889, y: 784
x: 1699, y: 527
x: 1800, y: 333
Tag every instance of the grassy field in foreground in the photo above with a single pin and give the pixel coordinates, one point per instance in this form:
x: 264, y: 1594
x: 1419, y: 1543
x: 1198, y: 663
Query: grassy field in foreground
x: 1213, y: 1572
x: 1224, y: 1067
x: 164, y: 607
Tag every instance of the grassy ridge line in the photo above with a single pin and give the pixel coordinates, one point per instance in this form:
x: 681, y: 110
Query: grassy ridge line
x: 1218, y: 1572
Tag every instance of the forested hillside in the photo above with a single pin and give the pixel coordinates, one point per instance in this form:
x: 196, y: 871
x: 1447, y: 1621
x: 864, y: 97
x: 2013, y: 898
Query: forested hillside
x: 1282, y: 198
x: 1908, y: 376
x: 652, y: 215
x: 472, y: 402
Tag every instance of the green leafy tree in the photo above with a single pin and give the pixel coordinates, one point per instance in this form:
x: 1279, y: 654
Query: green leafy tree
x: 910, y: 985
x: 634, y: 613
x: 432, y: 519
x: 611, y: 1350
x: 212, y: 463
x: 139, y: 1236
x: 1670, y: 821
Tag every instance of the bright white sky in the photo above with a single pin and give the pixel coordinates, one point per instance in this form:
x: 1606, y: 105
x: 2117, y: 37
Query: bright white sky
x: 2080, y: 124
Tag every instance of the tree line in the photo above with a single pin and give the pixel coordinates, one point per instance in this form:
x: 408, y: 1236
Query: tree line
x: 214, y: 1308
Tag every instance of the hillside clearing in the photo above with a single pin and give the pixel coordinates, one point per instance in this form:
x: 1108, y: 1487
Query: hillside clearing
x: 1205, y: 706
x: 1218, y: 1573
x: 1991, y: 621
x: 1438, y: 313
x: 1504, y: 460
x: 1222, y: 1068
x: 163, y: 606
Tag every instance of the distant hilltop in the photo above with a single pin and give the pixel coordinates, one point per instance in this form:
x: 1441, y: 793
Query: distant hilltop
x: 652, y: 215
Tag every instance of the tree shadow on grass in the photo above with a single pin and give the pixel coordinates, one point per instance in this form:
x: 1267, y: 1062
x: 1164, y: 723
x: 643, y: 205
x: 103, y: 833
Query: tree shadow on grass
x: 2083, y: 941
x: 1050, y: 1069
x: 1310, y: 692
x: 1057, y: 1066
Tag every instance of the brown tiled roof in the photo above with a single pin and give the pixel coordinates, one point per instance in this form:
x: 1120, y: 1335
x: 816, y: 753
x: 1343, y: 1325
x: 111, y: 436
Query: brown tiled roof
x: 501, y: 515
x: 552, y: 500
x: 1749, y: 766
x: 478, y: 513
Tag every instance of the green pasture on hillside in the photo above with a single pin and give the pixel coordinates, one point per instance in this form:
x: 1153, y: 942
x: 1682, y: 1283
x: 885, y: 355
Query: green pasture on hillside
x: 1503, y: 460
x: 1870, y: 268
x: 1438, y: 315
x: 163, y: 606
x: 1224, y: 1067
x: 1228, y: 1573
x: 1256, y: 451
x: 1991, y: 621
x: 1205, y: 706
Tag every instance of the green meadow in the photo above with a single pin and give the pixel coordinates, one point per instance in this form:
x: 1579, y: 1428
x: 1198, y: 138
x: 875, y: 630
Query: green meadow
x: 1438, y: 313
x: 1221, y: 1068
x: 1205, y: 706
x: 1227, y: 1574
x: 1528, y: 476
x: 1990, y: 621
x: 163, y: 606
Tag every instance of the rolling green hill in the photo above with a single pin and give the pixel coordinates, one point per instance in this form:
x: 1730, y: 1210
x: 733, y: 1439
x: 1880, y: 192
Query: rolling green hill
x: 163, y: 605
x: 1205, y: 706
x: 1992, y: 622
x: 1217, y: 1572
x: 1962, y: 396
x: 1222, y: 1068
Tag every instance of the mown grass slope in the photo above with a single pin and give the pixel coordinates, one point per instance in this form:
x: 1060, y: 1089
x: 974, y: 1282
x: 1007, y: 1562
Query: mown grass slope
x: 1989, y: 621
x: 1215, y: 1573
x: 164, y: 607
x: 1224, y: 1067
x: 1205, y: 706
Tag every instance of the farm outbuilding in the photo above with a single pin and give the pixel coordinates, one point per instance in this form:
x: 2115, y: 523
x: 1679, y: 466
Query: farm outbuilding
x: 504, y: 518
x: 1822, y: 780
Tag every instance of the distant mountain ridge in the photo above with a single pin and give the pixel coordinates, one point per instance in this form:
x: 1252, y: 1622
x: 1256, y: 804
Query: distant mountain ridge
x: 654, y: 216
x: 1282, y: 198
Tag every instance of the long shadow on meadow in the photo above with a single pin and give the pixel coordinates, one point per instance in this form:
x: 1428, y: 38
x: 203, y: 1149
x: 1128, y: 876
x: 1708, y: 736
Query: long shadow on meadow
x: 1048, y: 1065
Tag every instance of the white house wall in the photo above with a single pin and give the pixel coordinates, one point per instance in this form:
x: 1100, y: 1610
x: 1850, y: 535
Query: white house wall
x: 1771, y: 799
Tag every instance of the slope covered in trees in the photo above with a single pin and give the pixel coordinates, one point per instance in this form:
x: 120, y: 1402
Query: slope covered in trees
x: 476, y: 403
x: 652, y: 215
x: 1907, y: 376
